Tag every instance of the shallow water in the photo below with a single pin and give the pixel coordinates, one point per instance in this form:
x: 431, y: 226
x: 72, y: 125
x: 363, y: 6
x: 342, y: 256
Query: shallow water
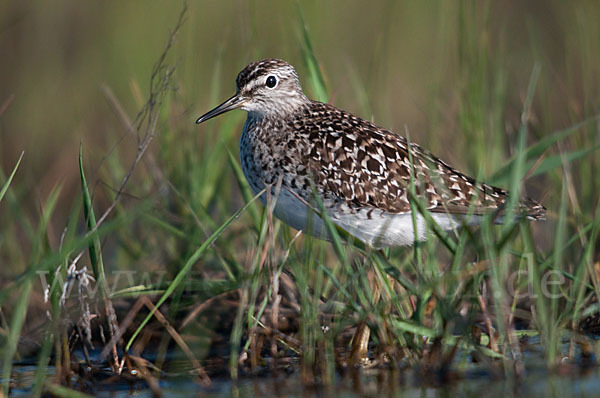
x: 572, y: 381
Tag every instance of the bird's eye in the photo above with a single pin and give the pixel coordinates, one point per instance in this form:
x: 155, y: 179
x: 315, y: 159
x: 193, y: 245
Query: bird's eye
x: 271, y: 81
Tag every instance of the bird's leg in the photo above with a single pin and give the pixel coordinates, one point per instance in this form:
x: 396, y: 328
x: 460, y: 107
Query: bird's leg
x: 360, y: 344
x: 360, y: 340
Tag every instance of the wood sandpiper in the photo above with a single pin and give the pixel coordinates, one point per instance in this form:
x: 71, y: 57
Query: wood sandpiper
x: 361, y: 172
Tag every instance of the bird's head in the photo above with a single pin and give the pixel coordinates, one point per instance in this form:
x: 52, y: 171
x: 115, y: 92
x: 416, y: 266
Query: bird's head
x: 267, y: 88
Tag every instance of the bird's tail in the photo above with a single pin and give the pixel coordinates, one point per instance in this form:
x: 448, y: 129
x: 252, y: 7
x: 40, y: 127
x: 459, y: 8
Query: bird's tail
x: 533, y: 210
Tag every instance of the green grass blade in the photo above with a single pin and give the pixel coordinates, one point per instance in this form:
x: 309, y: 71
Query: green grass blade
x: 7, y: 183
x: 555, y: 161
x: 14, y: 333
x: 56, y: 390
x: 243, y: 185
x: 48, y: 262
x: 413, y: 328
x: 42, y: 364
x: 94, y: 246
x: 22, y: 304
x: 188, y: 265
x: 536, y: 150
x: 315, y: 77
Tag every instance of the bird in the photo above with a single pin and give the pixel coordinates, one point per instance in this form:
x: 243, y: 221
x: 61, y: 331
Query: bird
x: 367, y: 178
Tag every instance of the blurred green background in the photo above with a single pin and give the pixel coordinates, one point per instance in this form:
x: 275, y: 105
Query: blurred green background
x: 452, y: 74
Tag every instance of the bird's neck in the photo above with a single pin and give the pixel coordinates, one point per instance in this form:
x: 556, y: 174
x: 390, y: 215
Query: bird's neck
x: 282, y: 108
x: 262, y: 122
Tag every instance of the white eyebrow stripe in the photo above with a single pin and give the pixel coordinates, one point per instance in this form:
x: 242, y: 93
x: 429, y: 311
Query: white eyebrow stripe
x: 261, y: 80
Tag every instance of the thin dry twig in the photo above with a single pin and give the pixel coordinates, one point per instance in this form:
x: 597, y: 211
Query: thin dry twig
x: 199, y: 308
x: 142, y: 366
x: 6, y: 104
x: 488, y: 323
x: 122, y: 328
x: 130, y: 128
x: 160, y: 83
x: 204, y: 379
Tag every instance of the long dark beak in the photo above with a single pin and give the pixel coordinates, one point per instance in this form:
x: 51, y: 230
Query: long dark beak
x: 232, y: 103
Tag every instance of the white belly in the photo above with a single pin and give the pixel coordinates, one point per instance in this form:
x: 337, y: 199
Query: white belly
x: 295, y: 213
x: 379, y: 230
